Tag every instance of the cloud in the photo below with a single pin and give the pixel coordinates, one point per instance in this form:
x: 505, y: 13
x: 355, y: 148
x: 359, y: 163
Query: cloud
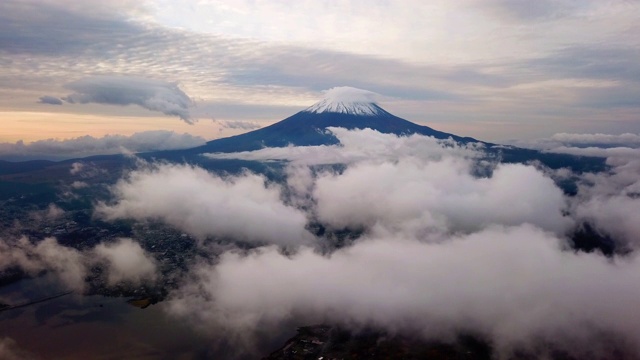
x: 67, y: 263
x: 358, y: 145
x: 607, y: 201
x: 243, y: 208
x: 513, y: 286
x: 76, y: 168
x: 51, y: 100
x: 617, y: 152
x: 79, y: 185
x: 52, y: 212
x: 463, y: 80
x: 154, y: 95
x: 60, y: 24
x: 522, y: 10
x: 610, y: 201
x: 55, y: 149
x: 598, y: 139
x: 600, y: 145
x: 126, y: 261
x: 417, y: 182
x: 237, y: 124
x: 346, y: 94
x: 438, y: 196
x: 444, y: 241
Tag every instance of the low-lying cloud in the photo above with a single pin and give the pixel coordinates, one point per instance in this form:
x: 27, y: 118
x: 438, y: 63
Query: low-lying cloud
x: 67, y: 263
x: 513, y: 286
x: 625, y: 145
x: 438, y: 196
x: 245, y: 208
x: 51, y: 100
x: 611, y: 201
x: 154, y: 95
x: 360, y: 145
x: 124, y: 260
x: 440, y: 241
x: 598, y: 139
x: 55, y: 149
x: 608, y: 201
x: 237, y: 124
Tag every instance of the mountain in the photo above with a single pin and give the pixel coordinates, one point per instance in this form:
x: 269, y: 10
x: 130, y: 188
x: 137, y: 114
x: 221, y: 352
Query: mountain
x: 344, y: 107
x: 353, y: 108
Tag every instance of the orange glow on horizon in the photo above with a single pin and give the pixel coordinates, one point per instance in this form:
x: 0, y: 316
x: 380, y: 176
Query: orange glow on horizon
x: 32, y: 126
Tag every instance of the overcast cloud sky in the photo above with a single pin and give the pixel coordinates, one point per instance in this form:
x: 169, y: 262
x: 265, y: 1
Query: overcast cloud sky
x: 494, y: 69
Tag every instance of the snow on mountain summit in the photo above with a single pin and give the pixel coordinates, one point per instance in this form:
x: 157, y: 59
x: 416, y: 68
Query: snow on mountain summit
x: 347, y: 100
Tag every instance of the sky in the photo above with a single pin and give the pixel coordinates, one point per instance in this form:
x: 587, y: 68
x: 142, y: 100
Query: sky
x: 492, y: 69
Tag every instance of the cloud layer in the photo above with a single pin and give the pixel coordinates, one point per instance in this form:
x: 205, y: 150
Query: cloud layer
x: 124, y: 260
x: 55, y: 149
x: 245, y: 208
x: 441, y: 242
x: 514, y: 287
x: 154, y: 95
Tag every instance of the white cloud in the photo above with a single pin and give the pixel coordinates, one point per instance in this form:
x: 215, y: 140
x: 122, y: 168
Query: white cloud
x: 396, y: 181
x: 154, y: 95
x: 237, y: 124
x: 52, y: 212
x: 126, y: 261
x: 600, y: 139
x: 79, y: 185
x: 616, y: 148
x: 610, y: 152
x: 245, y: 208
x: 358, y: 145
x: 611, y: 201
x: 587, y: 143
x: 449, y: 78
x: 67, y: 263
x: 514, y: 286
x: 76, y: 168
x: 450, y: 244
x: 438, y: 195
x: 88, y: 145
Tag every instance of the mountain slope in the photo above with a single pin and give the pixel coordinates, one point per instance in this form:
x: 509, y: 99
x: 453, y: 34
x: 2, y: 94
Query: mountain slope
x: 344, y: 107
x: 352, y: 108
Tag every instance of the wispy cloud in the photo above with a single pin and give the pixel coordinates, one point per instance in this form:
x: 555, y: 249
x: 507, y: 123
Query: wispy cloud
x: 51, y: 100
x: 154, y: 95
x: 541, y: 79
x: 56, y: 149
x: 123, y: 259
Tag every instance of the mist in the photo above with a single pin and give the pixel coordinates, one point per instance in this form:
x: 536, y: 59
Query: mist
x: 124, y: 261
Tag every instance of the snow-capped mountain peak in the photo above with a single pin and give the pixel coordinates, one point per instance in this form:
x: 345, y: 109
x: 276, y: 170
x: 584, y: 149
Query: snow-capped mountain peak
x: 347, y: 100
